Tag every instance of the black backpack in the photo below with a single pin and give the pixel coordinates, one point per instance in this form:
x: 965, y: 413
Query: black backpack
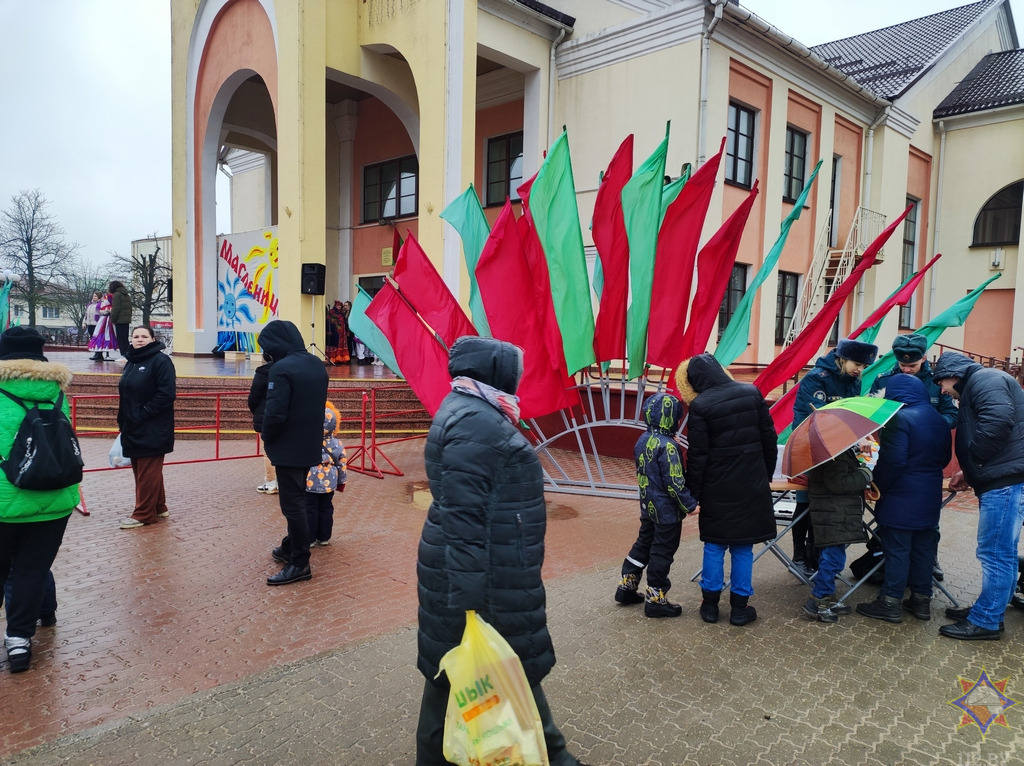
x: 45, y: 454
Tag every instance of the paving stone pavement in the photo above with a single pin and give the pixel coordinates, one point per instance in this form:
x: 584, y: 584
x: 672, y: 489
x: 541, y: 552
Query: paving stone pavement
x: 170, y: 650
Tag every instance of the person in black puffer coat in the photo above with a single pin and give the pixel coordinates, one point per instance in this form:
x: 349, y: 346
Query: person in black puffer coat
x: 729, y: 465
x: 990, y: 448
x: 664, y: 501
x: 145, y: 415
x: 293, y: 429
x: 482, y: 546
x: 257, y: 402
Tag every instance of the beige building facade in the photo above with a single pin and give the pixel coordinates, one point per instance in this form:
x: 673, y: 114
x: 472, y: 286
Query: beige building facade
x: 354, y: 118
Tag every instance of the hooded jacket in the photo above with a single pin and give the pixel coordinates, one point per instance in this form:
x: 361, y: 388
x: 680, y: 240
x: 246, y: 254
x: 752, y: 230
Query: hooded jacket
x: 257, y: 399
x: 293, y: 417
x: 731, y: 456
x: 145, y: 410
x: 943, y: 403
x: 836, y: 490
x: 823, y: 384
x: 31, y: 380
x: 482, y: 545
x: 915, y: 446
x: 664, y: 498
x: 120, y: 306
x: 331, y: 472
x: 990, y: 429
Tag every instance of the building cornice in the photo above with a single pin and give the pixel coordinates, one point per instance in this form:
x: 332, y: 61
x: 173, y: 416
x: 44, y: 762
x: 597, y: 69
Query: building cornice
x: 752, y: 47
x: 902, y: 121
x: 668, y: 27
x: 524, y: 18
x: 644, y: 6
x: 1011, y: 113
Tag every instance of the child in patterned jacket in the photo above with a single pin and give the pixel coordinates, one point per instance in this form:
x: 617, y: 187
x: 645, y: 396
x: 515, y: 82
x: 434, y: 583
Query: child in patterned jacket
x: 324, y: 480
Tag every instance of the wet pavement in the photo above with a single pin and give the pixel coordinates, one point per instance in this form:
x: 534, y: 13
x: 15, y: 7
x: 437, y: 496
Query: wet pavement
x: 170, y: 648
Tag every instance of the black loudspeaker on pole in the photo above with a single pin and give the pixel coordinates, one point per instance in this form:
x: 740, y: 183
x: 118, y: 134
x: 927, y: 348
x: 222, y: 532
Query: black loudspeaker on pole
x: 314, y: 279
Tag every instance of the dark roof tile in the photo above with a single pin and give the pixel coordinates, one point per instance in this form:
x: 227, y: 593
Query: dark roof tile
x: 888, y: 61
x: 997, y: 80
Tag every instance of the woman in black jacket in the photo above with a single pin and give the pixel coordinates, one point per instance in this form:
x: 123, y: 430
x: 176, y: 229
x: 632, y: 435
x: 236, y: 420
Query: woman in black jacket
x: 729, y: 465
x: 482, y: 545
x: 145, y: 415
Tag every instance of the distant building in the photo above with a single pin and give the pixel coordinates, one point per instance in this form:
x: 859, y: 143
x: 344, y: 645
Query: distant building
x: 341, y: 120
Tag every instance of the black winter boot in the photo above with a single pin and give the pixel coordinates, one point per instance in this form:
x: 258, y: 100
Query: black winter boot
x: 882, y: 608
x: 658, y: 604
x: 741, y: 613
x: 626, y: 593
x: 919, y: 605
x: 709, y: 606
x: 819, y: 608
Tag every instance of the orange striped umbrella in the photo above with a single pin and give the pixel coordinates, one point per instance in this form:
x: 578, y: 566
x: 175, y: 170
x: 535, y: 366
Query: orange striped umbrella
x: 832, y: 430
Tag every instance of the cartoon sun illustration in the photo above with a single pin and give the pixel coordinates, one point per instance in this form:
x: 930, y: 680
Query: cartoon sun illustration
x: 265, y: 271
x: 232, y: 302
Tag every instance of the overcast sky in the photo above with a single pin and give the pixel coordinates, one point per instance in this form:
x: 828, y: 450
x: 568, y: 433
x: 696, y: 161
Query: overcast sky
x: 86, y: 90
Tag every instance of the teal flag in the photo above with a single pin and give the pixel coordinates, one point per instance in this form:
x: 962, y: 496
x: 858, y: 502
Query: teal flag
x: 5, y: 304
x: 642, y: 211
x: 556, y: 219
x: 466, y: 216
x: 954, y: 316
x: 371, y: 336
x: 737, y: 332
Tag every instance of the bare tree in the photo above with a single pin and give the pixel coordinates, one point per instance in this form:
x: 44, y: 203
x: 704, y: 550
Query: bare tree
x: 72, y: 292
x: 33, y: 244
x: 146, y: 277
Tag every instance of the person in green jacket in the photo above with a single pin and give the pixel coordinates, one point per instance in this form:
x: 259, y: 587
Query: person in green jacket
x: 32, y: 522
x: 120, y: 314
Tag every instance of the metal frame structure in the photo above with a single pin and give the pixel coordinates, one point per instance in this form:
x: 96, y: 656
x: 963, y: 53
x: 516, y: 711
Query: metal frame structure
x: 582, y: 472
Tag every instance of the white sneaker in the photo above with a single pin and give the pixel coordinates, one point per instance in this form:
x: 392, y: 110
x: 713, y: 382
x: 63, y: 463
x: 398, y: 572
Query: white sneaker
x: 131, y: 523
x: 267, y: 488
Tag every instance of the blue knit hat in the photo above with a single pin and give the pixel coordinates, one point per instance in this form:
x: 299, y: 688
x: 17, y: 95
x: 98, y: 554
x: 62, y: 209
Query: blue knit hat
x: 857, y: 351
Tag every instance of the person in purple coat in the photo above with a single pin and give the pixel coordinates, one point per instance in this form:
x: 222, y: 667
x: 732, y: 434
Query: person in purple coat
x: 914, y: 448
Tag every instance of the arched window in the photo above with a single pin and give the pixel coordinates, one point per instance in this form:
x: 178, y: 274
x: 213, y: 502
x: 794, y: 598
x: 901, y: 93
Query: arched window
x: 999, y: 221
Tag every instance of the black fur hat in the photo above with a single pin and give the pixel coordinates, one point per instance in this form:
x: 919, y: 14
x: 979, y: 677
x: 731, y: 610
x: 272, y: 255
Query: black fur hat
x: 856, y: 351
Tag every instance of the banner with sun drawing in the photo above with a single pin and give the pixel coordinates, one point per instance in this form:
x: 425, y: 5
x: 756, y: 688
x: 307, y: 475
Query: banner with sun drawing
x: 246, y: 288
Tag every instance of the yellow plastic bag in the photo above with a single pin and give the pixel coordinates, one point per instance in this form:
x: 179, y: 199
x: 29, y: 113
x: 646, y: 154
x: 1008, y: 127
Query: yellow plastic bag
x: 492, y: 717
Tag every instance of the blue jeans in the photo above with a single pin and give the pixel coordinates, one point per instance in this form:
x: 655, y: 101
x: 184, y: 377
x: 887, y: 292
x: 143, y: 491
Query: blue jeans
x: 831, y: 561
x: 1000, y: 514
x: 909, y: 555
x: 713, y: 576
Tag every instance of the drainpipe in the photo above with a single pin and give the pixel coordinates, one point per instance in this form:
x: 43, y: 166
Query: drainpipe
x: 705, y: 66
x: 552, y: 75
x: 865, y: 196
x: 938, y: 213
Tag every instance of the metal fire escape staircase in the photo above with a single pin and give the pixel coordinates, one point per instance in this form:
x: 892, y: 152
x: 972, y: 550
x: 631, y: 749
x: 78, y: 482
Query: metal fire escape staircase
x: 833, y: 265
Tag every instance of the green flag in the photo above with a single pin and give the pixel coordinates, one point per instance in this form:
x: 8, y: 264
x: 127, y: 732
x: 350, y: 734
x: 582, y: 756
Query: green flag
x: 641, y: 211
x: 954, y: 316
x: 737, y: 332
x: 466, y: 216
x: 557, y: 222
x: 371, y: 336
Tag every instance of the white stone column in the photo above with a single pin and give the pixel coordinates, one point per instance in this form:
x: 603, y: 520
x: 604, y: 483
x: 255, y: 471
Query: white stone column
x: 345, y: 119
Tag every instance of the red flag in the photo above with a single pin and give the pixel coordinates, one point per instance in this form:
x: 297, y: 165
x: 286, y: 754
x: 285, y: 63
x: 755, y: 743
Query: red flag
x: 506, y: 285
x: 420, y: 357
x: 900, y: 298
x: 609, y: 232
x: 427, y: 293
x: 809, y: 341
x: 782, y: 410
x: 714, y: 265
x: 673, y: 266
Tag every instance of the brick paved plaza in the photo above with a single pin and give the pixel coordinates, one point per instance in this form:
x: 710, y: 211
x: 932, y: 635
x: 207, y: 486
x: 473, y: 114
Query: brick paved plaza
x: 170, y: 648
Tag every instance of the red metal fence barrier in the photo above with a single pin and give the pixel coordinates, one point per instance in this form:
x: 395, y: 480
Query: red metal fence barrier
x: 365, y: 457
